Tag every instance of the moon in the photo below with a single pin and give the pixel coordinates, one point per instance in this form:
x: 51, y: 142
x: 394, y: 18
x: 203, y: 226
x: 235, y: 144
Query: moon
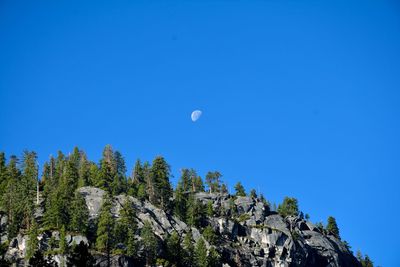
x: 196, y: 115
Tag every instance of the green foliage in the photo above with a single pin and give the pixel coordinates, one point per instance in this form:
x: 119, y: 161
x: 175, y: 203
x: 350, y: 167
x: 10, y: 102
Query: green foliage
x: 364, y: 260
x: 11, y: 198
x: 210, y: 209
x: 332, y: 226
x: 201, y: 254
x: 188, y: 257
x: 33, y: 242
x: 224, y: 189
x: 243, y: 217
x: 131, y: 245
x: 240, y: 192
x: 79, y: 214
x: 80, y: 256
x: 149, y: 242
x: 63, y: 241
x: 105, y: 227
x: 27, y: 188
x: 213, y: 181
x: 173, y: 249
x: 210, y: 235
x: 160, y: 172
x: 112, y: 172
x: 253, y: 193
x: 195, y: 212
x: 214, y: 258
x: 38, y: 260
x: 289, y: 207
x: 126, y: 222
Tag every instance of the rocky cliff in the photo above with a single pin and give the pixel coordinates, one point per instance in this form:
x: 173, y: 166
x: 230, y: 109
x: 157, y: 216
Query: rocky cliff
x: 249, y: 233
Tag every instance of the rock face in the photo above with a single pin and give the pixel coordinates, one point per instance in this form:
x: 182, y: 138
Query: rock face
x: 252, y: 235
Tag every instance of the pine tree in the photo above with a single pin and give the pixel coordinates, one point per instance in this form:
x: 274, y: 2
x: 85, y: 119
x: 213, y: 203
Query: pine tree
x: 63, y: 241
x: 105, y: 228
x: 80, y: 256
x: 201, y: 253
x: 79, y: 214
x: 12, y: 197
x: 210, y: 235
x: 27, y: 187
x: 240, y: 192
x: 253, y: 193
x: 195, y: 212
x: 126, y: 222
x: 119, y: 182
x: 173, y: 249
x: 150, y: 183
x: 332, y: 226
x: 108, y: 170
x: 224, y: 189
x: 210, y: 209
x: 160, y: 172
x: 149, y: 242
x: 38, y: 260
x: 182, y: 190
x: 131, y: 246
x: 289, y: 207
x: 198, y: 184
x: 214, y: 258
x: 213, y: 181
x: 188, y: 257
x: 33, y: 242
x: 3, y: 176
x: 84, y: 171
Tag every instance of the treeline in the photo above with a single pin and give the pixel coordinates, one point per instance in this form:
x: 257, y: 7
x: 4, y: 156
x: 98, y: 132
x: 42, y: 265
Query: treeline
x: 65, y: 209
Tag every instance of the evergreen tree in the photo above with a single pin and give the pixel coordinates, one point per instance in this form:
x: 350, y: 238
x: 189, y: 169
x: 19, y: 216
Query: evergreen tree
x: 149, y: 242
x: 198, y: 184
x: 80, y: 256
x: 365, y: 261
x: 214, y: 258
x: 213, y: 181
x: 188, y: 257
x: 12, y: 197
x: 201, y: 254
x: 253, y: 193
x: 119, y: 182
x: 210, y: 235
x: 27, y: 187
x: 289, y: 207
x: 108, y: 170
x: 33, y: 242
x: 195, y: 212
x: 84, y: 171
x: 240, y: 192
x: 332, y: 226
x: 137, y: 179
x: 131, y: 246
x: 173, y: 249
x: 160, y: 172
x: 63, y: 241
x: 79, y: 214
x: 210, y: 209
x: 38, y: 260
x: 105, y: 229
x: 3, y: 177
x: 183, y: 189
x: 150, y: 183
x: 126, y: 222
x: 224, y: 189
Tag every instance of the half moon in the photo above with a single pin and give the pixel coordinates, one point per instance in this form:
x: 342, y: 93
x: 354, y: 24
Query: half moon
x: 196, y: 115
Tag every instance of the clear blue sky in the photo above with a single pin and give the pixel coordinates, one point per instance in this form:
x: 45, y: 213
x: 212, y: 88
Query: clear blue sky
x: 299, y: 98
